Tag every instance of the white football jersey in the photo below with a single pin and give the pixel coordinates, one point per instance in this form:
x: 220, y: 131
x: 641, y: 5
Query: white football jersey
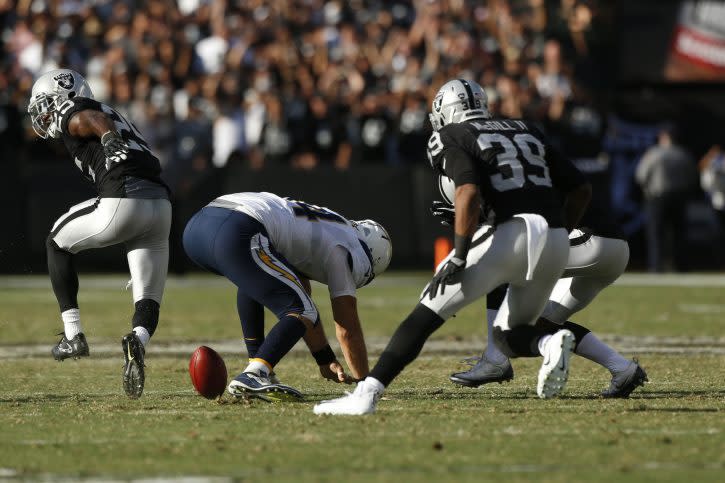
x: 305, y: 234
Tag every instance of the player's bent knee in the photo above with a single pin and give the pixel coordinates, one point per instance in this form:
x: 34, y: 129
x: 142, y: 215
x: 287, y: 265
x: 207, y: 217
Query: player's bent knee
x: 621, y: 256
x: 146, y: 315
x: 51, y: 245
x: 309, y: 318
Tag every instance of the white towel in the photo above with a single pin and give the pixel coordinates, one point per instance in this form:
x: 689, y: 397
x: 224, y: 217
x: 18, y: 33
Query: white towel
x: 537, y: 230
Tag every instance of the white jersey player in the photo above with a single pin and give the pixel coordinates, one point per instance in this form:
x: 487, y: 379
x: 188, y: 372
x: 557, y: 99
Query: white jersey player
x: 270, y: 247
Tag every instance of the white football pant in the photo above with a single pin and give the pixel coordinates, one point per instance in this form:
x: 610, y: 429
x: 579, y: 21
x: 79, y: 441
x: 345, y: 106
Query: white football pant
x: 141, y: 225
x: 592, y: 266
x: 504, y: 258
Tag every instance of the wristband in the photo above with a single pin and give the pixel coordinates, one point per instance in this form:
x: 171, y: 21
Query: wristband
x: 324, y: 356
x: 461, y: 244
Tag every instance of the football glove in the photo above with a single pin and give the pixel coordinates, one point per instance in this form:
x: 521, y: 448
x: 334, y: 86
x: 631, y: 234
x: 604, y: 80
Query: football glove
x: 444, y: 211
x: 114, y: 148
x: 445, y: 276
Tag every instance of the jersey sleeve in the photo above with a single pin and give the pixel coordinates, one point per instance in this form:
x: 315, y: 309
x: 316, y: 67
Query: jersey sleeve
x: 72, y: 106
x: 449, y: 156
x: 340, y: 280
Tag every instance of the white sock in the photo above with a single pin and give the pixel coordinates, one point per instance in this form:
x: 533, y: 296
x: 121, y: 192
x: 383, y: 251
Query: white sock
x: 597, y: 351
x: 71, y: 323
x: 492, y: 353
x: 142, y: 334
x: 543, y: 342
x: 374, y: 384
x: 257, y: 367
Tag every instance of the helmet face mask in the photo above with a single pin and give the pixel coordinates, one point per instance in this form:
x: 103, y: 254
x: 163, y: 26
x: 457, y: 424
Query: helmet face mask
x: 458, y: 100
x: 42, y: 111
x: 377, y: 240
x: 50, y: 91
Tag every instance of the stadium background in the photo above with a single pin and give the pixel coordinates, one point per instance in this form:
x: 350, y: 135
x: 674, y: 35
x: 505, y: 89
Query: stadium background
x: 327, y: 101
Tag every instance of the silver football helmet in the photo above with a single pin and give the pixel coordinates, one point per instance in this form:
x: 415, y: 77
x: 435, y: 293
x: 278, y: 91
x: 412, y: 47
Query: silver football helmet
x: 377, y: 240
x: 458, y: 100
x: 50, y: 91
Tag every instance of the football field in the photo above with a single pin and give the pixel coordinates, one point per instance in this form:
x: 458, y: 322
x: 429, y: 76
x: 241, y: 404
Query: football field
x: 71, y: 420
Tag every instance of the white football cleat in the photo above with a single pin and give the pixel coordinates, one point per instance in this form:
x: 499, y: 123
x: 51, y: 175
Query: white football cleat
x: 555, y: 368
x: 361, y: 401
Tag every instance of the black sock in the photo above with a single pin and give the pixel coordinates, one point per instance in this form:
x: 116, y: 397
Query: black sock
x: 146, y: 315
x: 63, y: 276
x: 280, y: 340
x: 251, y: 316
x: 579, y: 331
x: 522, y: 341
x: 495, y: 297
x: 406, y: 343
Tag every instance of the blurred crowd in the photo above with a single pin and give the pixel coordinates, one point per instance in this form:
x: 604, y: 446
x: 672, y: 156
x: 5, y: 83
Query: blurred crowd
x: 314, y: 83
x: 309, y: 82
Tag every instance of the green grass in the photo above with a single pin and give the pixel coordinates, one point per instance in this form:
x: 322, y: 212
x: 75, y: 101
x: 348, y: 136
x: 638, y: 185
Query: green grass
x: 71, y: 419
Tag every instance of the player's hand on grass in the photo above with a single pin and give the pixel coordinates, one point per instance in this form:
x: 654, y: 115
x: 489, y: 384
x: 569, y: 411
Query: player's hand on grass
x: 335, y: 373
x: 445, y: 276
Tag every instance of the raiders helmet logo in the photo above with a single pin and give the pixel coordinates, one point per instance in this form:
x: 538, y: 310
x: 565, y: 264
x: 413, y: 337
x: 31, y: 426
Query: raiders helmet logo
x: 438, y: 103
x: 65, y: 80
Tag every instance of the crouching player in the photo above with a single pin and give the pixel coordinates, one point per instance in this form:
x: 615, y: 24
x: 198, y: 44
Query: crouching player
x: 270, y: 247
x: 598, y: 254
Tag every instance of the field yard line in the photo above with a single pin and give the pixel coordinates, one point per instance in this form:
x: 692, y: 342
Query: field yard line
x: 644, y: 466
x: 474, y: 345
x: 118, y: 281
x: 702, y: 308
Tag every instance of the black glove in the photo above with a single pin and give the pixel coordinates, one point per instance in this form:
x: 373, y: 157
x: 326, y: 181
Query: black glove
x: 114, y: 148
x: 444, y: 211
x: 445, y: 276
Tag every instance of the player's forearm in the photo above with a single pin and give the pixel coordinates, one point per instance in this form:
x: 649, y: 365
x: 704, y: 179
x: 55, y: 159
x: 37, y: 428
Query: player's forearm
x: 467, y: 209
x: 90, y: 123
x: 354, y: 349
x: 350, y: 335
x: 576, y: 204
x: 315, y: 338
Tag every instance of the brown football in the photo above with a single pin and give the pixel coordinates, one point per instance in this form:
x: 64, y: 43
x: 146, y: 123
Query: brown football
x: 208, y: 372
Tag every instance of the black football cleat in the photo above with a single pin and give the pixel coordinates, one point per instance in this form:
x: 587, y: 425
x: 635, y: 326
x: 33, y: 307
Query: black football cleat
x: 623, y: 383
x: 76, y: 348
x: 133, y: 368
x: 484, y: 372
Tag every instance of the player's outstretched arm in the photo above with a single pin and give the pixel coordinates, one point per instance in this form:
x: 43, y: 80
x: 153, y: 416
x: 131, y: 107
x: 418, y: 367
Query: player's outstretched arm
x: 350, y: 335
x: 330, y: 367
x: 316, y: 340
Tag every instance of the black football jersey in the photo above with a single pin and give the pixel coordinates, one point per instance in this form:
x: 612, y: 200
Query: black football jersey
x: 134, y: 177
x: 516, y: 169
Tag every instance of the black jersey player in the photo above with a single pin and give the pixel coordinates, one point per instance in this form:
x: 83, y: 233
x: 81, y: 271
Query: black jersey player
x: 598, y: 254
x: 132, y: 208
x: 505, y: 164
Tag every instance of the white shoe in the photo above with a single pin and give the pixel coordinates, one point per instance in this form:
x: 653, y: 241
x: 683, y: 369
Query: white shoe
x: 555, y: 368
x: 361, y: 401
